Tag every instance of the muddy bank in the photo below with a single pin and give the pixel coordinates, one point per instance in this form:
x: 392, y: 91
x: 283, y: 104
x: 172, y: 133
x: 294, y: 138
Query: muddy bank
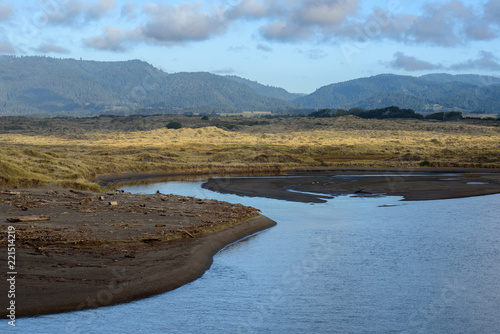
x: 103, y: 249
x: 321, y: 185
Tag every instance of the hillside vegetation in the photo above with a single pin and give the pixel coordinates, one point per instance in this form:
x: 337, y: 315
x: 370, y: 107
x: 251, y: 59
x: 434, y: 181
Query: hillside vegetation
x: 68, y: 87
x: 48, y: 87
x: 35, y: 155
x: 439, y: 92
x: 269, y: 91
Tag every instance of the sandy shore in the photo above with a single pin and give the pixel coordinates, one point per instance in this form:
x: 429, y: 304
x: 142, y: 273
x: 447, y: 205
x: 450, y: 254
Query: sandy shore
x: 103, y: 249
x: 420, y: 184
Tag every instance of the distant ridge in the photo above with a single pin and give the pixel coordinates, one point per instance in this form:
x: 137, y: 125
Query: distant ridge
x: 68, y: 87
x: 275, y: 92
x: 44, y: 86
x: 434, y: 92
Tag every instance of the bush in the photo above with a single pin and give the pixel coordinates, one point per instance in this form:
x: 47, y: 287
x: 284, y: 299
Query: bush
x: 174, y: 125
x: 424, y: 163
x: 205, y: 118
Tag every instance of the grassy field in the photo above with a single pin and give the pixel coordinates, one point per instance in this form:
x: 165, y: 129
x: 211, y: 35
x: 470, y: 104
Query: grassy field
x: 69, y: 152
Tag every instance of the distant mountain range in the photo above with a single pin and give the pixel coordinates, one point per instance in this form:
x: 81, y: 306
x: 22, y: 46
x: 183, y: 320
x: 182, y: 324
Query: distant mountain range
x: 42, y: 85
x: 67, y: 87
x: 278, y: 93
x: 433, y: 92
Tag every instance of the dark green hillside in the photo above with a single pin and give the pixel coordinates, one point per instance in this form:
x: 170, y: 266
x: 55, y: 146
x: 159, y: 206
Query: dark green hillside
x: 205, y: 90
x: 269, y: 91
x: 408, y: 92
x: 344, y: 94
x: 49, y: 86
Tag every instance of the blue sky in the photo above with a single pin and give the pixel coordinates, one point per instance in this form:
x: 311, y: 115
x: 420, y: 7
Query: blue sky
x: 299, y: 45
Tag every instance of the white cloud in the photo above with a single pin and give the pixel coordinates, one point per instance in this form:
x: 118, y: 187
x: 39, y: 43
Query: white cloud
x: 325, y: 12
x: 73, y: 12
x: 409, y: 63
x: 182, y: 23
x: 486, y: 61
x: 286, y: 32
x: 451, y: 24
x: 164, y: 25
x: 113, y: 39
x: 250, y: 9
x: 50, y: 48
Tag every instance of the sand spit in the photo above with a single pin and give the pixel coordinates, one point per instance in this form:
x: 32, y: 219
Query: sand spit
x: 315, y: 186
x: 103, y: 249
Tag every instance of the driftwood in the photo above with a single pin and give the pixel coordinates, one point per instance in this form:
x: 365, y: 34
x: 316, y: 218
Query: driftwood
x: 24, y: 219
x: 77, y: 192
x: 113, y: 203
x: 10, y: 193
x: 184, y: 231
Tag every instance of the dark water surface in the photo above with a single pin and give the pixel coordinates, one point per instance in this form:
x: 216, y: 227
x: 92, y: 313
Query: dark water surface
x: 351, y: 265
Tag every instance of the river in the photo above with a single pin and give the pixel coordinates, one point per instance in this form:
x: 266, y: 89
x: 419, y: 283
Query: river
x: 350, y: 265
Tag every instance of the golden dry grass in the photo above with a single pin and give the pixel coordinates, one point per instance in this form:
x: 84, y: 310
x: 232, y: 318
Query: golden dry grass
x: 71, y: 159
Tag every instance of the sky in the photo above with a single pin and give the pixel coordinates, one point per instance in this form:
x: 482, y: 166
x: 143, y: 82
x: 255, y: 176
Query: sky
x: 299, y: 45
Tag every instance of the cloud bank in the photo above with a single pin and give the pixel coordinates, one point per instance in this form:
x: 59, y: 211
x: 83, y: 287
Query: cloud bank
x: 485, y: 61
x: 125, y: 25
x: 448, y: 24
x: 74, y: 12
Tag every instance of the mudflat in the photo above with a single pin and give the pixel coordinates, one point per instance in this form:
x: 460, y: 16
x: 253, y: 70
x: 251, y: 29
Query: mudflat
x: 90, y: 250
x: 317, y: 185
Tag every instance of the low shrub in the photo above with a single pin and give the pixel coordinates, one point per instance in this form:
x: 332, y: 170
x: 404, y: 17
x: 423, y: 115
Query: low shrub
x: 174, y: 125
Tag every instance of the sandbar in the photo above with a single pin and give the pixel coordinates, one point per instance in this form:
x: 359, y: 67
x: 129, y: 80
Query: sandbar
x: 103, y: 249
x: 318, y: 185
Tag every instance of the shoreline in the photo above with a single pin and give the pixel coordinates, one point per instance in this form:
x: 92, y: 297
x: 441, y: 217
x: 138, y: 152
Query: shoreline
x: 387, y: 181
x: 92, y: 255
x: 109, y: 179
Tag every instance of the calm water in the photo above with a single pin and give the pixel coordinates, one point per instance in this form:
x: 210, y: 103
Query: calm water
x: 351, y: 265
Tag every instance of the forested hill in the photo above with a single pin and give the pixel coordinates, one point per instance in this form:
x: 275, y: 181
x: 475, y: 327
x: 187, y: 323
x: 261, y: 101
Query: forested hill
x: 49, y: 86
x: 67, y: 87
x: 435, y: 92
x: 265, y: 90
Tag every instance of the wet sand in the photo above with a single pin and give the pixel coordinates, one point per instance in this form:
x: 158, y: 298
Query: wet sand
x: 92, y: 253
x: 320, y: 185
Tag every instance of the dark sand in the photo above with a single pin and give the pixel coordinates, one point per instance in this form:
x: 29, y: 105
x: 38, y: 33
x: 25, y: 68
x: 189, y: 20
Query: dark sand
x: 91, y: 254
x: 421, y: 184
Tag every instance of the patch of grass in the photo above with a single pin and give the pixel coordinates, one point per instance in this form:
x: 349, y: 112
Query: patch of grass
x: 70, y: 160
